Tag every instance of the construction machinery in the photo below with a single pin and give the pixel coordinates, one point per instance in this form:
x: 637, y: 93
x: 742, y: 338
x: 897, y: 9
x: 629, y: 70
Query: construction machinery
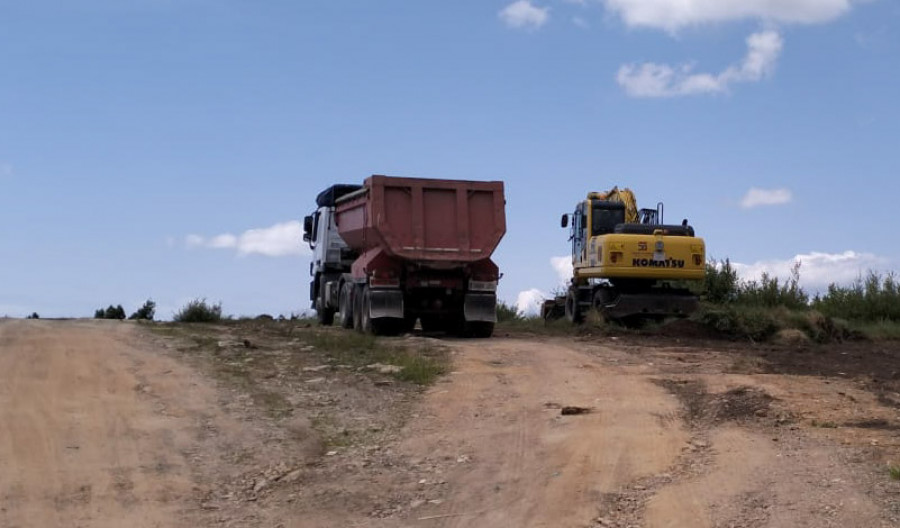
x: 394, y: 251
x: 627, y: 263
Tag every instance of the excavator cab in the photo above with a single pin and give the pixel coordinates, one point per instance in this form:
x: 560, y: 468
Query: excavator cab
x: 605, y: 216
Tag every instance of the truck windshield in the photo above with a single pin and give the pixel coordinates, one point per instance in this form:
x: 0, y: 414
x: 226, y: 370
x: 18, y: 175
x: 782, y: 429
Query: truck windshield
x: 605, y: 217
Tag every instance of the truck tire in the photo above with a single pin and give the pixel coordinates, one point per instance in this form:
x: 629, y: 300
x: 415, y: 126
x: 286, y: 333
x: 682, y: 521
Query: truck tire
x: 573, y: 311
x: 365, y: 321
x: 357, y: 308
x: 346, y: 305
x: 325, y: 316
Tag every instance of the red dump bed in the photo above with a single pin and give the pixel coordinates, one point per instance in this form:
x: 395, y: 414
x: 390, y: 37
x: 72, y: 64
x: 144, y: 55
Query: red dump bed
x: 423, y: 219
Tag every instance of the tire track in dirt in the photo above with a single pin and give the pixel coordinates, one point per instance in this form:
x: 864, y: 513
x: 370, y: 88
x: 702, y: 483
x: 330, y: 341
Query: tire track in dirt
x: 98, y: 430
x: 526, y: 464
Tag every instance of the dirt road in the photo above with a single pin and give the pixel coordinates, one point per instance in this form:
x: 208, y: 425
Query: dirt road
x: 104, y: 424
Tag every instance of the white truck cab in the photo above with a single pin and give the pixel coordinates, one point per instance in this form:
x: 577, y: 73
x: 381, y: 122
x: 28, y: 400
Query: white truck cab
x: 331, y: 258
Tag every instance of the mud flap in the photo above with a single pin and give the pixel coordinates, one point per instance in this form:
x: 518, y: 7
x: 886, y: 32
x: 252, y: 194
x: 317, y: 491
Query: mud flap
x: 480, y: 307
x: 385, y: 303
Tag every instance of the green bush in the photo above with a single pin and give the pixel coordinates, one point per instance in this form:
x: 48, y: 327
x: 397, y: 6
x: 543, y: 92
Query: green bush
x: 198, y: 311
x: 508, y: 312
x: 145, y: 312
x: 755, y: 323
x: 770, y: 292
x: 872, y: 299
x: 111, y: 312
x: 721, y: 282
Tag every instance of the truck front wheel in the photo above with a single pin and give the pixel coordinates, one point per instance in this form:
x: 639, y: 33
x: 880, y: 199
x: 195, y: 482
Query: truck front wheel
x: 324, y: 315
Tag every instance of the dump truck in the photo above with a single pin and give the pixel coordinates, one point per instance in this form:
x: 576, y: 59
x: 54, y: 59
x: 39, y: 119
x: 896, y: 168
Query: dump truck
x: 395, y: 251
x: 627, y: 264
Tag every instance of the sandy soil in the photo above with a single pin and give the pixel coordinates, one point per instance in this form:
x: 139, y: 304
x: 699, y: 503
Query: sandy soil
x: 107, y: 424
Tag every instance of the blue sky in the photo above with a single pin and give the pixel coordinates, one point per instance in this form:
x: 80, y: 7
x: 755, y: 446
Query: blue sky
x: 167, y: 149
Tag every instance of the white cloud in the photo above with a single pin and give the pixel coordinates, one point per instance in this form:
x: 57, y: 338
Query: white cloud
x: 671, y: 15
x: 279, y: 240
x: 563, y: 268
x: 757, y: 197
x: 817, y: 270
x: 524, y: 15
x: 580, y: 22
x: 192, y: 241
x: 661, y: 80
x: 529, y: 301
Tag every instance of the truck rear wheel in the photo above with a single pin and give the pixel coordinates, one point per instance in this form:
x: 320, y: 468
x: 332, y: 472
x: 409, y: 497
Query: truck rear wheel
x: 365, y: 321
x: 346, y: 305
x: 356, y: 300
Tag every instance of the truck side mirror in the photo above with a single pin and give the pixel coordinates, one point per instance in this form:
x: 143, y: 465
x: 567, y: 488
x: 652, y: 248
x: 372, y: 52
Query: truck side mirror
x: 565, y: 221
x: 307, y: 228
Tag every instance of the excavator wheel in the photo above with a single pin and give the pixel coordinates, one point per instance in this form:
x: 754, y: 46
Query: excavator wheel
x: 573, y: 311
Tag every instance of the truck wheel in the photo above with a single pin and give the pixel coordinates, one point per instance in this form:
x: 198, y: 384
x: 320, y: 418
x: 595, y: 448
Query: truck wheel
x: 346, y: 305
x: 357, y: 308
x: 365, y: 321
x: 325, y: 316
x: 573, y: 312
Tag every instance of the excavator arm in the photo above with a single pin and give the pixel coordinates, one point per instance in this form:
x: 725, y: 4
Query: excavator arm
x: 624, y: 196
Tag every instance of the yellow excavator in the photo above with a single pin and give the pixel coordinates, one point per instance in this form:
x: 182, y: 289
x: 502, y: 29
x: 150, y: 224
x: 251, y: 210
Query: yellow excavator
x: 627, y: 263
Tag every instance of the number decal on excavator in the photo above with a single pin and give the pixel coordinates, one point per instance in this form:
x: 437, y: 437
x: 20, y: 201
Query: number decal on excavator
x: 642, y: 246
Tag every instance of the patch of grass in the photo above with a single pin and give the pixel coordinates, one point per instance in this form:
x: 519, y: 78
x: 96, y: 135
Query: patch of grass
x: 420, y: 367
x: 894, y: 471
x: 421, y: 364
x: 199, y: 311
x: 827, y: 424
x: 883, y: 330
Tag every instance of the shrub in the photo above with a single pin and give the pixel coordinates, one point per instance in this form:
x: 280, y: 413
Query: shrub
x: 111, y: 312
x: 198, y: 311
x: 145, y: 312
x: 872, y: 299
x: 508, y: 312
x: 755, y: 323
x: 770, y: 292
x: 34, y: 315
x: 721, y: 282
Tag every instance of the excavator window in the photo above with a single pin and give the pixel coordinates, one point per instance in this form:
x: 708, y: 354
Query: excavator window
x: 605, y: 216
